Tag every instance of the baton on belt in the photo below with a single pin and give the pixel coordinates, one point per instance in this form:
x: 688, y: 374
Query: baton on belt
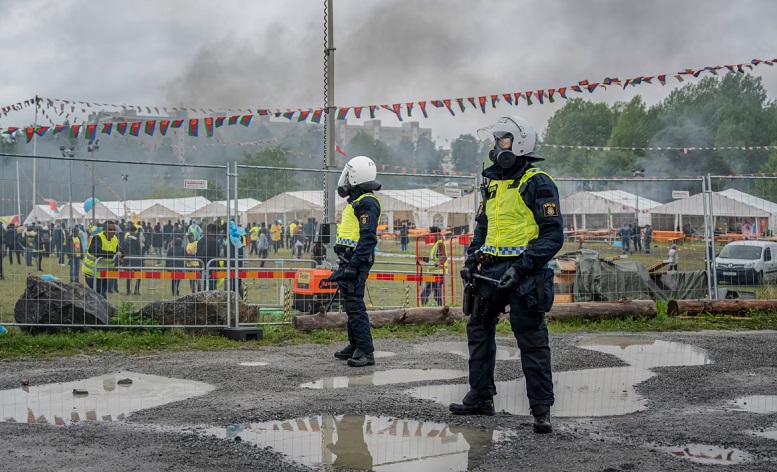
x: 485, y: 279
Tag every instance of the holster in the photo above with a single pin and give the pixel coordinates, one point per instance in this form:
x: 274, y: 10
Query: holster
x: 473, y: 304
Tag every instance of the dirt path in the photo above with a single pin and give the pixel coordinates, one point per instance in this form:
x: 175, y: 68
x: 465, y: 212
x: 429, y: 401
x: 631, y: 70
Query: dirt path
x: 684, y: 405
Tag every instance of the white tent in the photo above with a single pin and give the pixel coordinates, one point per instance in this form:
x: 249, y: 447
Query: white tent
x: 44, y: 213
x: 679, y: 214
x: 766, y: 205
x: 457, y: 211
x: 218, y: 209
x: 158, y: 212
x: 412, y: 205
x: 181, y: 206
x: 296, y: 205
x: 592, y: 210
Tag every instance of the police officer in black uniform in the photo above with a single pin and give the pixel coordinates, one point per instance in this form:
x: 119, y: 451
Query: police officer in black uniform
x: 355, y: 247
x: 519, y: 229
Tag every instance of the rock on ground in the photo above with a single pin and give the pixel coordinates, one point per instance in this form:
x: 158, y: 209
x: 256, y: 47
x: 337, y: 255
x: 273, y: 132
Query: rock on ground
x: 199, y: 308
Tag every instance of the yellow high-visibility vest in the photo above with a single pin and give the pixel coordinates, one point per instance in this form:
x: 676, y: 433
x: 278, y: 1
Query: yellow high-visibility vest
x: 511, y: 224
x: 90, y: 260
x: 348, y: 229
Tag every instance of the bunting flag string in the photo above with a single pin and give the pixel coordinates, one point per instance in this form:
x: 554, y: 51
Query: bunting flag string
x: 685, y: 149
x: 69, y: 108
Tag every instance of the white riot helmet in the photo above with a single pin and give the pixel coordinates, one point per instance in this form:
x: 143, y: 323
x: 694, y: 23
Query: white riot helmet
x: 359, y: 172
x: 509, y: 138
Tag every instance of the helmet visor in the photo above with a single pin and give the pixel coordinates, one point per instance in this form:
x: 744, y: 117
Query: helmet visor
x: 343, y: 181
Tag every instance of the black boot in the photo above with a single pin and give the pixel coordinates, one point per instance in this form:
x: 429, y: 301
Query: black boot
x: 345, y: 353
x: 541, y: 414
x: 473, y: 404
x: 361, y: 359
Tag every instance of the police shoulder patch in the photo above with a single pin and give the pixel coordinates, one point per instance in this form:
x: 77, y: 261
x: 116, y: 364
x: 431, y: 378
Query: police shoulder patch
x: 550, y: 209
x: 364, y: 219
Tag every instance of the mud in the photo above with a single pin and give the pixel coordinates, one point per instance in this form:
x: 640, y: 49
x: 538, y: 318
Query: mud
x: 681, y: 406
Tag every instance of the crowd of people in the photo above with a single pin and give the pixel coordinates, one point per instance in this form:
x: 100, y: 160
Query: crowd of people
x: 130, y: 244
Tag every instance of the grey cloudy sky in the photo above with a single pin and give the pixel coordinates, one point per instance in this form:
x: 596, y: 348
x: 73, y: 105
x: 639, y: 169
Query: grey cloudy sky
x: 269, y: 53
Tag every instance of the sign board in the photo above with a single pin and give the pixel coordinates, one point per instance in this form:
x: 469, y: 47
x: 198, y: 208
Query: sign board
x: 453, y: 192
x: 195, y: 184
x: 680, y: 194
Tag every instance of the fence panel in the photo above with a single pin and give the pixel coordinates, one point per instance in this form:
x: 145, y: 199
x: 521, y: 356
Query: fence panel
x: 75, y: 197
x: 745, y: 218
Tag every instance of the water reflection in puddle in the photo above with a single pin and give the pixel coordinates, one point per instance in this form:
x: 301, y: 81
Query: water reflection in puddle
x: 767, y: 433
x: 370, y: 443
x: 502, y: 353
x: 590, y: 392
x: 757, y: 404
x: 648, y: 353
x: 386, y: 377
x: 706, y: 454
x: 103, y: 398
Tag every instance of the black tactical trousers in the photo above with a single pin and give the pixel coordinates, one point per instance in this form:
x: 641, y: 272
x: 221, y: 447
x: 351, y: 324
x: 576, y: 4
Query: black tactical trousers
x: 352, y: 294
x: 530, y: 332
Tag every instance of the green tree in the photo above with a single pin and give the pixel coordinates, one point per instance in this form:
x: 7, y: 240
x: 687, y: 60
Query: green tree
x: 169, y: 191
x: 578, y: 123
x: 265, y: 183
x: 467, y: 155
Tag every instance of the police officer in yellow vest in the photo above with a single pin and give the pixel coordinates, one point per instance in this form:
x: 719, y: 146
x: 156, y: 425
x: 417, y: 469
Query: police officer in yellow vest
x: 105, y: 247
x: 439, y: 265
x: 355, y: 246
x: 519, y: 229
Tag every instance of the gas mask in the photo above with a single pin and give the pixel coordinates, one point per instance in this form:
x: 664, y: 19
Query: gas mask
x: 343, y: 184
x: 502, y: 154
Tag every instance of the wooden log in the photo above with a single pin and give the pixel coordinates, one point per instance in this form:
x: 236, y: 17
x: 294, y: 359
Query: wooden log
x: 378, y: 318
x: 718, y: 307
x: 446, y: 315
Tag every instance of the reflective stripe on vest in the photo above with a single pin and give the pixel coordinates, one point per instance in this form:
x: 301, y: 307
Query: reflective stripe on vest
x: 511, y: 224
x: 89, y: 260
x: 348, y: 230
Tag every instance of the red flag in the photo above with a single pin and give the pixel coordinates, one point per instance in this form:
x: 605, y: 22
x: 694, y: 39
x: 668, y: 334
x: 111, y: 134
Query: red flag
x: 317, y: 115
x: 41, y: 130
x: 150, y: 126
x: 29, y: 132
x: 107, y: 128
x: 74, y: 131
x: 563, y: 92
x: 340, y: 150
x: 303, y: 115
x: 472, y: 101
x: 358, y: 112
x: 194, y: 127
x: 208, y: 126
x: 135, y: 128
x: 494, y: 99
x: 177, y: 123
x: 482, y: 101
x: 516, y: 97
x: 220, y: 121
x: 461, y: 103
x: 121, y: 127
x: 423, y: 108
x: 409, y: 108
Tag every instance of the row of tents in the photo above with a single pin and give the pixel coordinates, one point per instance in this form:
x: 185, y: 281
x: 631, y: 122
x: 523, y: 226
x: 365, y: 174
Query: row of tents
x: 425, y: 207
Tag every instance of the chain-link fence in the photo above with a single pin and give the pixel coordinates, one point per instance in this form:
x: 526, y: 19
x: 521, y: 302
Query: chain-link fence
x: 634, y: 238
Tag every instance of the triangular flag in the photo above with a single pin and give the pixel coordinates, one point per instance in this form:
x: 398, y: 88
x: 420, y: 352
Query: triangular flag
x: 107, y: 128
x: 340, y: 150
x: 372, y: 110
x: 482, y: 101
x: 494, y: 99
x: 163, y: 126
x: 409, y: 106
x: 423, y: 108
x: 461, y: 103
x: 194, y: 127
x: 508, y: 97
x: 358, y: 112
x: 447, y: 103
x: 472, y: 101
x: 563, y: 92
x: 29, y: 132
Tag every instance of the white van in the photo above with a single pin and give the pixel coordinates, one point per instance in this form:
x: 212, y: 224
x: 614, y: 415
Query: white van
x: 747, y: 262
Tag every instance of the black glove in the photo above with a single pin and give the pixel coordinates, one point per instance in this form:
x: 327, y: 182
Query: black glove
x: 350, y: 273
x: 468, y: 271
x: 509, y: 279
x: 332, y: 277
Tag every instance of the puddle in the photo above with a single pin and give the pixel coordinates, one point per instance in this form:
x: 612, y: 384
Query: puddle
x: 757, y: 404
x: 648, y: 353
x: 706, y: 454
x: 382, y: 354
x: 590, y: 392
x: 386, y: 377
x: 767, y: 433
x: 253, y: 364
x: 100, y: 398
x: 370, y: 443
x: 502, y: 353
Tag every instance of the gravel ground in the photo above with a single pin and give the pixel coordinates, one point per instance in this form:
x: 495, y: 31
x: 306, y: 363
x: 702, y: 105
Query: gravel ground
x: 686, y: 405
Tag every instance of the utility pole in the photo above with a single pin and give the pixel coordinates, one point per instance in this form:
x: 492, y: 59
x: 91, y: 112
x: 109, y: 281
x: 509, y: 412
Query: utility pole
x: 124, y: 178
x: 34, y: 160
x: 329, y: 135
